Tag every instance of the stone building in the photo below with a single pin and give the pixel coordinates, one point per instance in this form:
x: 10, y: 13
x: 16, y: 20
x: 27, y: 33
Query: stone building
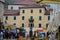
x: 1, y: 9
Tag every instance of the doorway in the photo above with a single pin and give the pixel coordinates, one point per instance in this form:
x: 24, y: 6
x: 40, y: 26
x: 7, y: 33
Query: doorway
x: 59, y: 33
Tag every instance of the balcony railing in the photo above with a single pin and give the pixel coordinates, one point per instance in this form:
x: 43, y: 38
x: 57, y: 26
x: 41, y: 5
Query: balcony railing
x: 31, y: 20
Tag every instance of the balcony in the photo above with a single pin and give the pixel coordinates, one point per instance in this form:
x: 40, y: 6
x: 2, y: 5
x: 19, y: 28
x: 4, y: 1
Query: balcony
x: 31, y: 20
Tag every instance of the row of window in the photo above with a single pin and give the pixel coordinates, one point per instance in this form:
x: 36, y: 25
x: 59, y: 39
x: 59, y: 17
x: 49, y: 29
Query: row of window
x: 31, y: 11
x: 31, y: 17
x: 32, y: 25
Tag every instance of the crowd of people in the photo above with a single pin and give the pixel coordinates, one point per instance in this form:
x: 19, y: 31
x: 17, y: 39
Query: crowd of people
x: 8, y: 34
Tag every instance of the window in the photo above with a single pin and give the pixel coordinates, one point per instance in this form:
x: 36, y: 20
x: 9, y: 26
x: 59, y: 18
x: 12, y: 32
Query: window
x: 31, y: 11
x: 40, y: 17
x: 22, y: 24
x: 40, y: 11
x: 14, y: 24
x: 14, y: 17
x: 11, y: 7
x: 46, y: 25
x: 23, y: 11
x: 48, y: 17
x: 6, y: 17
x: 39, y: 25
x: 19, y: 7
x: 31, y: 25
x: 22, y: 17
x: 31, y: 17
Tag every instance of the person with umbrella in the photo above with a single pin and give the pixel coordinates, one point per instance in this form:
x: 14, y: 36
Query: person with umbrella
x: 21, y: 33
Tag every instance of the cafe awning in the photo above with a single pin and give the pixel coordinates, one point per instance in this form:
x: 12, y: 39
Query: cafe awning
x: 39, y: 30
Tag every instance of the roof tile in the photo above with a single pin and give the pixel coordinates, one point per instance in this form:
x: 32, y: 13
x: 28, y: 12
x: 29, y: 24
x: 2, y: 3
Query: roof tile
x: 11, y: 12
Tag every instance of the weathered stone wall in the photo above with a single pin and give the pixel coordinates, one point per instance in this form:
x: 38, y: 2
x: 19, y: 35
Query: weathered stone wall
x: 1, y: 11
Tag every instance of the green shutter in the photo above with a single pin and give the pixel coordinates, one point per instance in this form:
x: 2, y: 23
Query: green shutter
x: 31, y: 11
x: 14, y: 17
x: 23, y: 11
x: 22, y: 24
x: 40, y: 17
x: 31, y: 17
x: 48, y: 17
x: 40, y: 11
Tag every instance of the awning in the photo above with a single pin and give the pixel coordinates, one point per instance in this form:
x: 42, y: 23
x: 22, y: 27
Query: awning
x: 39, y: 30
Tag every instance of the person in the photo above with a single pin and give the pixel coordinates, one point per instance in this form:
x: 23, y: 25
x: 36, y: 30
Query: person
x: 47, y: 34
x: 20, y: 35
x: 1, y: 35
x: 27, y: 38
x: 50, y: 36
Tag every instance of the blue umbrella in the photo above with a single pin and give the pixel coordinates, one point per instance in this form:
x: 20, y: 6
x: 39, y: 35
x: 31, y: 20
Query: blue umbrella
x: 24, y: 30
x: 41, y: 33
x: 13, y: 31
x: 3, y: 30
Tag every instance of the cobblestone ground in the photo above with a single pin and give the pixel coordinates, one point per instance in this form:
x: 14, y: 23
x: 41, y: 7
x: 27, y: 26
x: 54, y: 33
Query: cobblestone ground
x: 9, y: 39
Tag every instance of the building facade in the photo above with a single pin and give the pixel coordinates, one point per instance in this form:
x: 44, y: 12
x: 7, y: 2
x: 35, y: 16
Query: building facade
x: 1, y: 9
x: 31, y: 15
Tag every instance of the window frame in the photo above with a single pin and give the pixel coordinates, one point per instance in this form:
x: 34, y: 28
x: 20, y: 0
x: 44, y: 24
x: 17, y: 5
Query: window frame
x: 14, y: 17
x: 23, y: 17
x: 23, y: 11
x: 6, y: 18
x: 40, y: 17
x: 19, y: 8
x: 31, y: 11
x: 11, y: 7
x: 48, y: 17
x: 40, y: 10
x: 14, y: 24
x: 31, y: 17
x: 22, y: 24
x: 40, y: 25
x: 47, y: 26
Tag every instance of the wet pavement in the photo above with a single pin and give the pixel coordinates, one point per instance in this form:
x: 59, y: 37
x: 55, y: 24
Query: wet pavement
x: 9, y: 39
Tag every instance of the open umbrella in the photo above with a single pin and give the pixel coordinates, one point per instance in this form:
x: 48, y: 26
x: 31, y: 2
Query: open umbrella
x: 42, y: 32
x: 13, y: 30
x: 24, y: 30
x: 21, y: 28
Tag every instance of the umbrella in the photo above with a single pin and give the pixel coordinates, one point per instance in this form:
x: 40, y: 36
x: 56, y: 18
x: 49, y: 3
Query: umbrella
x: 13, y: 30
x: 21, y: 28
x: 3, y: 30
x: 42, y: 32
x: 24, y: 30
